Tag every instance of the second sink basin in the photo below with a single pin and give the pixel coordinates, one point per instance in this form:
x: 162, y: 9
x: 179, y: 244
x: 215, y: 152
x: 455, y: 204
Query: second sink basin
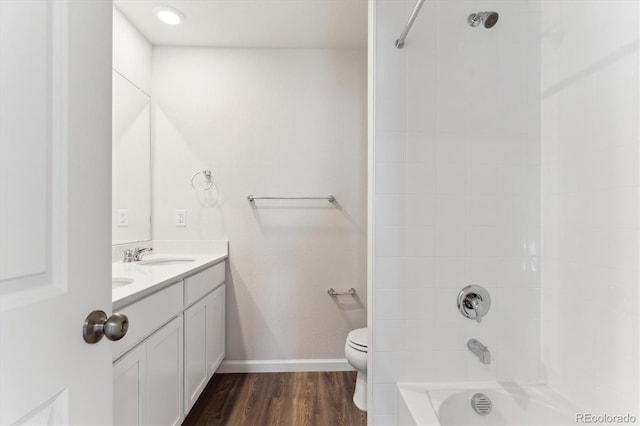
x: 162, y: 261
x: 120, y: 281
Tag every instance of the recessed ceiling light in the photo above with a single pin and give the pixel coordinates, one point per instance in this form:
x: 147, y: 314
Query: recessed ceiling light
x: 168, y: 15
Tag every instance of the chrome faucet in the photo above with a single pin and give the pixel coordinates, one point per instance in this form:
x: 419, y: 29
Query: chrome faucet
x: 139, y: 252
x: 135, y: 255
x: 479, y: 350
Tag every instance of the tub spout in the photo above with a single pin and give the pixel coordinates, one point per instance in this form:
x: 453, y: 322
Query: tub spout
x: 479, y: 350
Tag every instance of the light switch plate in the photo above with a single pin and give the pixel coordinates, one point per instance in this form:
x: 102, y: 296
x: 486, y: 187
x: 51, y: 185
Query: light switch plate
x: 123, y: 218
x: 181, y: 218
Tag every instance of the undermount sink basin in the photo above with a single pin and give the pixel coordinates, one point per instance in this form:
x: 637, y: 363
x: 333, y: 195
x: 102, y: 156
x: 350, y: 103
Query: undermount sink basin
x: 121, y: 281
x: 162, y: 261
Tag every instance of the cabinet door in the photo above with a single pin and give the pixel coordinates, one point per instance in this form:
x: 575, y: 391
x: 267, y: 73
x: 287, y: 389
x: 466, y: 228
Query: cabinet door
x: 195, y: 352
x: 215, y: 329
x: 164, y: 375
x: 129, y: 376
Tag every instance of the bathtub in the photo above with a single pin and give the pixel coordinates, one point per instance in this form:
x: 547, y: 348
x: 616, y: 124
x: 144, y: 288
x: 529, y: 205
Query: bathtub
x: 512, y: 404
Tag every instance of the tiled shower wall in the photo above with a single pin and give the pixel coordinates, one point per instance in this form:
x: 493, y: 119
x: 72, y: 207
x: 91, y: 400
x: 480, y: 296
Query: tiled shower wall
x: 456, y: 194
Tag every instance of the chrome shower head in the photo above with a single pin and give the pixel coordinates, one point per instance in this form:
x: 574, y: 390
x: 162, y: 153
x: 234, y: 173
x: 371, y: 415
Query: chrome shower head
x: 488, y: 19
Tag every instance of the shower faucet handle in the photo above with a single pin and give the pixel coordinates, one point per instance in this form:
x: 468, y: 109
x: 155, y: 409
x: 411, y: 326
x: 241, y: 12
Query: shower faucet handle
x: 476, y: 305
x: 474, y: 302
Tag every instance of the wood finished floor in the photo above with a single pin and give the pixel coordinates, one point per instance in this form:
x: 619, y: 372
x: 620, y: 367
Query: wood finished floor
x: 279, y: 399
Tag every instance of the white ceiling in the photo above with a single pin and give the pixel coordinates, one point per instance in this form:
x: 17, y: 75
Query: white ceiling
x: 254, y: 23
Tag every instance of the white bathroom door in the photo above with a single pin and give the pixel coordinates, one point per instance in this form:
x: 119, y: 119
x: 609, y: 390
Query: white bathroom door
x: 55, y: 192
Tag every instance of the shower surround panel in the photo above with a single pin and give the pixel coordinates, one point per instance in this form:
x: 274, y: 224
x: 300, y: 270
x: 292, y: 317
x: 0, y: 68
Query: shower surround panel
x: 456, y: 195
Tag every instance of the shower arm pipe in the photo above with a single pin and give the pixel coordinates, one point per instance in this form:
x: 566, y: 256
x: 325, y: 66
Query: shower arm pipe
x: 405, y: 31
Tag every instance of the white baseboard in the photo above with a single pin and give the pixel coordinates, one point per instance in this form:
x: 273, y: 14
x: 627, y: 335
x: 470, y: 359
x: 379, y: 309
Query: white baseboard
x: 284, y: 365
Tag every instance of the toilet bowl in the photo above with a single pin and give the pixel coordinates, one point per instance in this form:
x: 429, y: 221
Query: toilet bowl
x: 355, y: 350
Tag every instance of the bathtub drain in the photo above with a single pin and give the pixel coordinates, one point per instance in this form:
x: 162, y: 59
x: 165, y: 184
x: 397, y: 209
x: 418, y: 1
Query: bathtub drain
x: 481, y: 404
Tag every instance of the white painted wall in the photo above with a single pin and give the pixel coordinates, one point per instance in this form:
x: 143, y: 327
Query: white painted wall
x: 269, y: 122
x: 456, y: 195
x: 591, y: 92
x: 131, y: 52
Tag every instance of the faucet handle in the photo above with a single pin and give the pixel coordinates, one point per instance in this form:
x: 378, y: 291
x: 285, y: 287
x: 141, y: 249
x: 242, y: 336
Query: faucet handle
x: 127, y: 256
x: 474, y: 302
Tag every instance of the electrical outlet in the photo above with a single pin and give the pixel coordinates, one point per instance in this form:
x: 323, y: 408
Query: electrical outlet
x: 181, y: 218
x: 123, y: 218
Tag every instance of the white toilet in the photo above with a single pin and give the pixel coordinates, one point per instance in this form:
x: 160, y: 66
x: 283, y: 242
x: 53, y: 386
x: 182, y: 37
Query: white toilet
x: 355, y: 349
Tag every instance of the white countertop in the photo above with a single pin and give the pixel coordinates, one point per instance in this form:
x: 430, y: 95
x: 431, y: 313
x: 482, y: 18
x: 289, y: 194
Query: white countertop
x: 152, y: 278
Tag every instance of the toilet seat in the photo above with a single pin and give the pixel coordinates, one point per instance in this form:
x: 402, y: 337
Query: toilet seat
x: 357, y: 339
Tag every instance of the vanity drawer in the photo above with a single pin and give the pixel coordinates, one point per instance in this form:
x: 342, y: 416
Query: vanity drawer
x: 148, y: 315
x: 196, y: 286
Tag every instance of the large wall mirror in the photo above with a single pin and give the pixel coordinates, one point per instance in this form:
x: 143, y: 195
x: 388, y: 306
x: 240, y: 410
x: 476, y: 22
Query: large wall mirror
x: 131, y: 192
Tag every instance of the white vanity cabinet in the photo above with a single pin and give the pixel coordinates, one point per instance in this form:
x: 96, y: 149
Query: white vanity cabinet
x: 148, y: 315
x: 147, y: 382
x: 129, y: 389
x: 164, y: 375
x: 204, y: 324
x: 174, y: 345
